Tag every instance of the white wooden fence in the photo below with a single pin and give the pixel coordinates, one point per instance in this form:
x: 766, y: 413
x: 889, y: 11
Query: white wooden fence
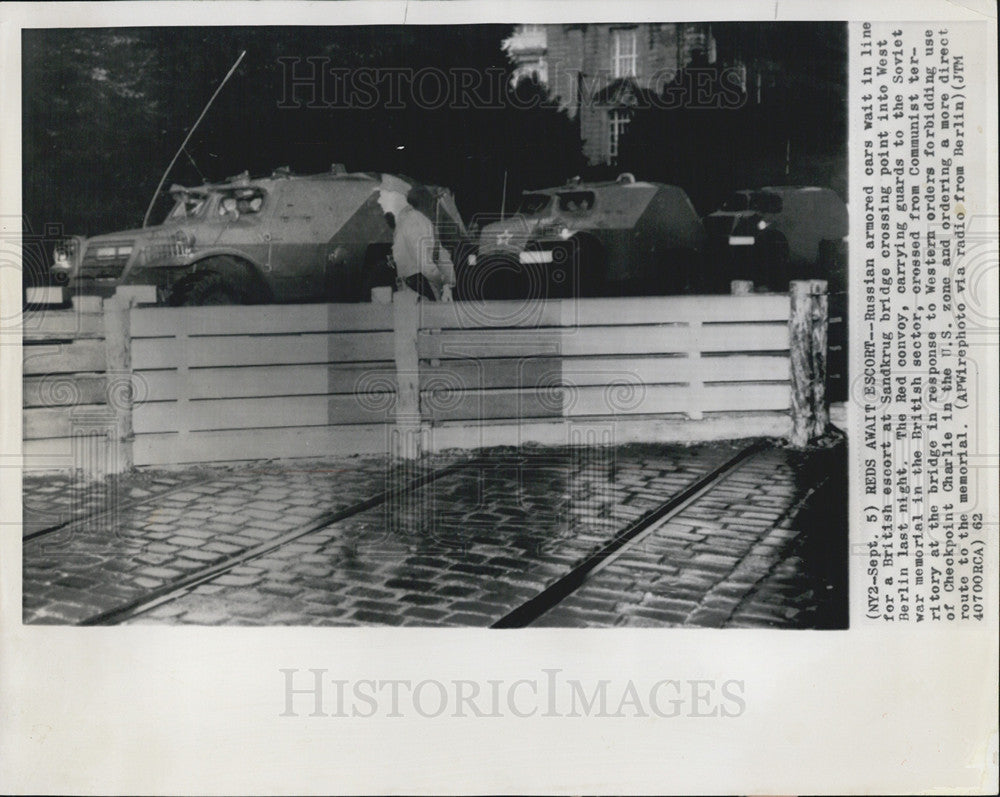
x: 75, y: 389
x: 232, y: 383
x: 664, y: 368
x: 215, y: 384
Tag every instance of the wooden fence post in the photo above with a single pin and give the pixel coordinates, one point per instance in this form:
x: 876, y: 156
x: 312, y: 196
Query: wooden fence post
x: 118, y: 374
x: 405, y: 322
x: 696, y: 383
x: 800, y: 352
x: 820, y: 322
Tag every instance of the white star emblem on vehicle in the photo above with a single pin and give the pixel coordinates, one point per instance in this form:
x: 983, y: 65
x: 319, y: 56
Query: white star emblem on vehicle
x: 503, y: 239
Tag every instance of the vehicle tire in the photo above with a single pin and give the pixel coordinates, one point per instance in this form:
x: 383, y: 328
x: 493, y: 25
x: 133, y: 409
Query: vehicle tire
x: 678, y: 274
x: 698, y: 277
x: 207, y: 288
x: 463, y: 270
x: 773, y: 262
x: 832, y: 263
x: 585, y: 266
x: 740, y: 263
x: 493, y: 277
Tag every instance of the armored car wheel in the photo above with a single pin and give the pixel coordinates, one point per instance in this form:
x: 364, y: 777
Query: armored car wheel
x: 207, y: 288
x: 579, y: 268
x: 773, y: 261
x: 832, y: 263
x: 498, y: 275
x: 679, y: 272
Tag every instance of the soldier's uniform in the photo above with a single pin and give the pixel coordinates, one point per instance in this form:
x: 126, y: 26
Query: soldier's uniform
x: 421, y: 262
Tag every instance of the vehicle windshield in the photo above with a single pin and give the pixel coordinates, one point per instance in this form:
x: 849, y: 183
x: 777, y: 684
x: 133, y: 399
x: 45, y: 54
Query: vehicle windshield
x: 533, y: 203
x: 761, y: 201
x: 188, y: 206
x: 576, y: 201
x: 736, y: 203
x: 241, y: 201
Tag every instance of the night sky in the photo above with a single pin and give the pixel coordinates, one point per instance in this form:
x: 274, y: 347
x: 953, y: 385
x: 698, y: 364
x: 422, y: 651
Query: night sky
x: 106, y: 109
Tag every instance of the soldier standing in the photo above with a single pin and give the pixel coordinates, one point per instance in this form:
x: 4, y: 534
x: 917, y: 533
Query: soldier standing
x: 422, y: 264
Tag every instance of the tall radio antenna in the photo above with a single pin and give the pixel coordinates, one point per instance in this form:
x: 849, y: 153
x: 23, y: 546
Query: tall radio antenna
x: 503, y: 195
x: 159, y: 187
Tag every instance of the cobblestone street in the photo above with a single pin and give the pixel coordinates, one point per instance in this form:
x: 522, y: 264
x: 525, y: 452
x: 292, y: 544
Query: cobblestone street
x: 93, y: 565
x: 765, y: 547
x: 761, y: 550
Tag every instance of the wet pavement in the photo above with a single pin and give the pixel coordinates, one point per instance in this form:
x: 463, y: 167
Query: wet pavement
x: 761, y: 548
x: 102, y: 562
x: 58, y: 498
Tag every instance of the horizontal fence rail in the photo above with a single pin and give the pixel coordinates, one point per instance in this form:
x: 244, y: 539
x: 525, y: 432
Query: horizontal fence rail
x: 215, y: 384
x: 75, y: 384
x: 642, y: 362
x: 231, y: 383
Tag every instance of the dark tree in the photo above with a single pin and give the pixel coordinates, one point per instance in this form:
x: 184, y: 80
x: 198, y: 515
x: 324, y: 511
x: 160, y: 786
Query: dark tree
x: 105, y: 110
x: 789, y: 126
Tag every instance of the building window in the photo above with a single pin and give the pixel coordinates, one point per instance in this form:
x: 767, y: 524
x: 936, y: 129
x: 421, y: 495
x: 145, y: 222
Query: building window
x: 624, y: 52
x: 618, y: 121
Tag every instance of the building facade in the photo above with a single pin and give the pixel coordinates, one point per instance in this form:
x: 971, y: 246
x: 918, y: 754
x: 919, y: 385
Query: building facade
x: 597, y: 72
x: 527, y: 49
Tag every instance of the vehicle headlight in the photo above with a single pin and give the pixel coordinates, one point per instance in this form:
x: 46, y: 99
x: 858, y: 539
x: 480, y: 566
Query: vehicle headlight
x: 64, y: 254
x: 549, y: 228
x: 114, y: 251
x: 762, y: 225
